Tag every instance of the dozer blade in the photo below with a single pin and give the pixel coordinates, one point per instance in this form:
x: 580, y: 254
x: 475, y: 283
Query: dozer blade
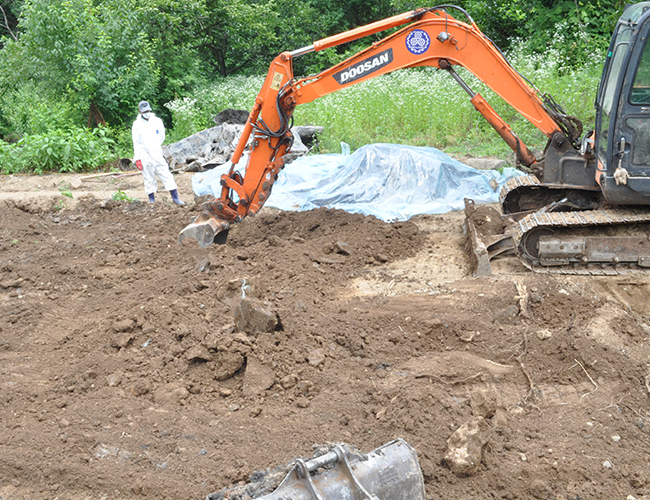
x: 391, y: 472
x: 489, y: 234
x: 206, y: 230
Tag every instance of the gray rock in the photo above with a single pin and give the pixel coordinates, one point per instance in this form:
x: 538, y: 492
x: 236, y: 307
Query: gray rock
x: 228, y: 363
x: 254, y: 316
x: 172, y: 393
x: 316, y: 357
x: 232, y: 116
x: 257, y: 378
x: 465, y: 447
x: 200, y: 149
x: 213, y: 147
x: 484, y: 163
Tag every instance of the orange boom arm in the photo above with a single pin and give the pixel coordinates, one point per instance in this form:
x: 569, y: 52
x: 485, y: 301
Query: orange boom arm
x: 433, y: 38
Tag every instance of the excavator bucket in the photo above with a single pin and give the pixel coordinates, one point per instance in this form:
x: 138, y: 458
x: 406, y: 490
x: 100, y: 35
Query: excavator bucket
x: 206, y: 229
x: 391, y: 472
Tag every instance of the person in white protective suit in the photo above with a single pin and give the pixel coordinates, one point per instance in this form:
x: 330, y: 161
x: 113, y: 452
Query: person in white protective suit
x: 148, y: 134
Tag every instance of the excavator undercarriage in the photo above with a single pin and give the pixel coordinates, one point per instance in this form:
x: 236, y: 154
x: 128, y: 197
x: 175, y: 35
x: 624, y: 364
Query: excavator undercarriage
x: 555, y: 232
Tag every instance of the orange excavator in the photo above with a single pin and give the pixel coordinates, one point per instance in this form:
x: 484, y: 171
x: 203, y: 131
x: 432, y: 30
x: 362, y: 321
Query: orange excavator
x: 585, y: 208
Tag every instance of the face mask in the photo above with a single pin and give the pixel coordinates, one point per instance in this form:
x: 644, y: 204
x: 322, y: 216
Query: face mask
x: 146, y: 115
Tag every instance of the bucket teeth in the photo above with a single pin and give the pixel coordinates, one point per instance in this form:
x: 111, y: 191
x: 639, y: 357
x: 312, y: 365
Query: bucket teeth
x: 204, y: 229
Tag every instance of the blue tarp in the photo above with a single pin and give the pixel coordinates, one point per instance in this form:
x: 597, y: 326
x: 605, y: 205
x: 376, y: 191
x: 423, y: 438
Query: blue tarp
x: 389, y: 181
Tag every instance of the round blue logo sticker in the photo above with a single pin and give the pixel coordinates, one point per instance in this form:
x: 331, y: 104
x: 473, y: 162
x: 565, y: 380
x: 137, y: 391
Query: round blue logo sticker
x: 418, y: 42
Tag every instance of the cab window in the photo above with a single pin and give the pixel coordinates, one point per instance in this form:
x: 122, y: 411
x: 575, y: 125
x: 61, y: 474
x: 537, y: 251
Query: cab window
x: 640, y: 93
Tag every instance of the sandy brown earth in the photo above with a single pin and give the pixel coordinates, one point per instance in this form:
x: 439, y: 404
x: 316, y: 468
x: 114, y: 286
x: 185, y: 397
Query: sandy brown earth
x: 125, y: 372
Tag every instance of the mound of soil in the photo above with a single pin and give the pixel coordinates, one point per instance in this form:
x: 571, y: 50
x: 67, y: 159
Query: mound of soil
x: 135, y: 367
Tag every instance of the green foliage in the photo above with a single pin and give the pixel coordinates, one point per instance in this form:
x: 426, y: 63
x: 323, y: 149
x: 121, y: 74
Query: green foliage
x: 71, y: 150
x: 33, y: 109
x: 122, y: 196
x: 577, y: 29
x: 423, y: 107
x: 194, y: 113
x: 68, y: 64
x: 106, y: 55
x: 65, y: 191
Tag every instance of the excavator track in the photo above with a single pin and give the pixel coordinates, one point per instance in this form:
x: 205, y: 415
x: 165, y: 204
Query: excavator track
x: 593, y: 242
x: 515, y: 183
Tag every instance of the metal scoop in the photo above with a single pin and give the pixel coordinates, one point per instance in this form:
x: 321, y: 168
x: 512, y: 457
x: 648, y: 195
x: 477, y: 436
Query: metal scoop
x: 206, y: 230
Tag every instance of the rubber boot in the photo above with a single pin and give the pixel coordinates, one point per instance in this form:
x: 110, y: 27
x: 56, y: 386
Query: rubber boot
x: 175, y: 197
x: 152, y: 198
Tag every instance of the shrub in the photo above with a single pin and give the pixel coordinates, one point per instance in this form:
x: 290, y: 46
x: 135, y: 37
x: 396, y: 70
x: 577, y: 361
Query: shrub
x: 71, y: 150
x: 194, y: 113
x: 31, y: 109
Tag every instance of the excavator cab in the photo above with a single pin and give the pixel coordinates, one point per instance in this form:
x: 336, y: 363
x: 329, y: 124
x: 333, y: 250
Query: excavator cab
x: 623, y: 112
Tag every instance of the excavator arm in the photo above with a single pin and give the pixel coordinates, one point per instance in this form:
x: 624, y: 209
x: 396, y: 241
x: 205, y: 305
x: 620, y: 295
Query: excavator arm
x: 432, y: 38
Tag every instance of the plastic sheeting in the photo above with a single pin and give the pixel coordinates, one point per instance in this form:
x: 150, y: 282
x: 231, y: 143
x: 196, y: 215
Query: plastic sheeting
x: 391, y: 182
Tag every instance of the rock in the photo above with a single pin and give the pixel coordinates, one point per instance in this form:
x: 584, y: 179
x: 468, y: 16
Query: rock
x: 544, y: 334
x: 380, y: 257
x: 539, y: 489
x: 204, y: 146
x: 227, y: 364
x: 232, y: 116
x: 125, y: 325
x: 500, y: 418
x: 465, y: 447
x: 142, y: 387
x: 114, y: 379
x: 75, y: 183
x: 302, y: 402
x: 172, y: 393
x: 484, y: 163
x: 253, y: 316
x: 289, y: 381
x: 305, y: 387
x: 199, y: 353
x: 343, y: 248
x: 316, y: 357
x: 483, y: 402
x: 275, y: 241
x: 257, y: 378
x: 121, y: 340
x: 467, y: 336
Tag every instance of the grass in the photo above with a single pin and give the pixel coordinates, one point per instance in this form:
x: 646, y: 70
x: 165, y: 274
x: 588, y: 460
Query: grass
x: 419, y: 107
x: 120, y: 195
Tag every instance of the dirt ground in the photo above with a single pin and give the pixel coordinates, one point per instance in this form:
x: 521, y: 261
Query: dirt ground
x: 123, y: 374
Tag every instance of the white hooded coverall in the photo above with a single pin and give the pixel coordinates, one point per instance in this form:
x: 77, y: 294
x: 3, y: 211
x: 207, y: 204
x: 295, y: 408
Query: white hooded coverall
x: 148, y: 136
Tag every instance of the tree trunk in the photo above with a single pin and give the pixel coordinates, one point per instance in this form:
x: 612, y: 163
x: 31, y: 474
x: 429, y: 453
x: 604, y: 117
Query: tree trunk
x: 95, y: 117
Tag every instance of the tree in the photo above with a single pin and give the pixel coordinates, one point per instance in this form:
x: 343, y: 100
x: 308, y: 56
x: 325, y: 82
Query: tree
x: 106, y: 55
x: 9, y: 12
